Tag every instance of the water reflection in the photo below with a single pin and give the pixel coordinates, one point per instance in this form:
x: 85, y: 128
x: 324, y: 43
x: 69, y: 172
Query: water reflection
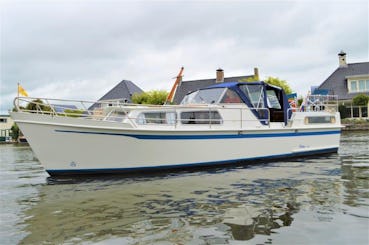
x: 197, y: 207
x: 255, y: 203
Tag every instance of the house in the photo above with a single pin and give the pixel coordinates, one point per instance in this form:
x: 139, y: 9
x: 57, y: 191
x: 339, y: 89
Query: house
x: 184, y: 87
x: 121, y: 93
x: 6, y: 123
x: 346, y: 82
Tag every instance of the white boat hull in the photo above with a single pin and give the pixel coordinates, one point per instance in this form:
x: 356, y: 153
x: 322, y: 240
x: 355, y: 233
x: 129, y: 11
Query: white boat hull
x: 65, y: 146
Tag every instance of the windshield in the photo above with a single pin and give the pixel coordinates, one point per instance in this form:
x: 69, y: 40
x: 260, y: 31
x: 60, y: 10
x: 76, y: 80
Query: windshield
x: 255, y: 93
x: 204, y: 96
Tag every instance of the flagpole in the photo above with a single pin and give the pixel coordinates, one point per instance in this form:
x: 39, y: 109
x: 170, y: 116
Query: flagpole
x: 17, y: 96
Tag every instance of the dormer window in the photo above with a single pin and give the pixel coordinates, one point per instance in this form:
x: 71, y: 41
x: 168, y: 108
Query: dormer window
x: 358, y: 85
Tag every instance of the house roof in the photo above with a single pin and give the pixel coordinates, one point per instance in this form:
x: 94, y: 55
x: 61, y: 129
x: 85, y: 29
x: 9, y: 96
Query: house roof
x: 123, y: 90
x: 188, y: 86
x: 336, y: 83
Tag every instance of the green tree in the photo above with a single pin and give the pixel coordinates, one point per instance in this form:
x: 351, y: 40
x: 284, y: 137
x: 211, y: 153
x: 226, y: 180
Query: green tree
x: 280, y: 83
x: 153, y: 97
x: 360, y: 99
x: 273, y: 81
x: 14, y: 131
x: 37, y: 104
x: 250, y: 79
x: 73, y: 112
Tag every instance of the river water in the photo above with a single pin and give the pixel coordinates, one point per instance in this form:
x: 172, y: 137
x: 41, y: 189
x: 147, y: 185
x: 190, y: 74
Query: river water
x: 320, y: 200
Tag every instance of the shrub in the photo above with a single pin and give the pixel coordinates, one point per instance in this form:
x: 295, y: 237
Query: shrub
x: 360, y: 99
x: 154, y: 97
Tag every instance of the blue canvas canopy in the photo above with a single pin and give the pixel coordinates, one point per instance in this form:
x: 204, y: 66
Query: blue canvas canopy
x: 270, y: 97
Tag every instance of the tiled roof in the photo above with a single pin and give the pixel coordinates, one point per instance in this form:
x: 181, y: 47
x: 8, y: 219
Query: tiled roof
x: 336, y: 83
x: 188, y: 86
x: 123, y: 90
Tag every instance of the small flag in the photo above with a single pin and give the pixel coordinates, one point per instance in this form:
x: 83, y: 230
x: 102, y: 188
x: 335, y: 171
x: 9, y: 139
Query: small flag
x: 22, y: 91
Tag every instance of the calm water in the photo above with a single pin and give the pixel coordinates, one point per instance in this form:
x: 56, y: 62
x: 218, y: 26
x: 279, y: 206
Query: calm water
x: 321, y: 200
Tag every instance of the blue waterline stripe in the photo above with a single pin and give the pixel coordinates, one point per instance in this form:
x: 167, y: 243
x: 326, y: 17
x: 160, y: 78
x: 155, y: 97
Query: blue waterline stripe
x: 204, y: 137
x: 188, y: 165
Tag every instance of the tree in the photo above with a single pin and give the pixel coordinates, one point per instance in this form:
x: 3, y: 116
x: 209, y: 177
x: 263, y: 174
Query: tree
x: 73, y: 112
x: 273, y: 81
x: 360, y: 99
x: 280, y: 83
x: 250, y: 79
x: 15, y: 131
x: 153, y: 97
x: 36, y: 105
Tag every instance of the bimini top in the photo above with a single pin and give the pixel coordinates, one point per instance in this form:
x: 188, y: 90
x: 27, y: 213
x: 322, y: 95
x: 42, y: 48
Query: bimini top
x: 258, y: 96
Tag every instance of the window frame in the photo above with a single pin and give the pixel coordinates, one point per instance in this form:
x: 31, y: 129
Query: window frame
x: 358, y: 85
x: 196, y: 120
x: 165, y: 118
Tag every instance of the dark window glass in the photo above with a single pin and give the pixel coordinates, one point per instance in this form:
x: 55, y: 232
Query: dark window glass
x: 201, y: 117
x: 320, y: 119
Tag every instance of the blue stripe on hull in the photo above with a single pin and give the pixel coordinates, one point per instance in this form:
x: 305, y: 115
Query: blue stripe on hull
x: 55, y: 172
x: 206, y: 137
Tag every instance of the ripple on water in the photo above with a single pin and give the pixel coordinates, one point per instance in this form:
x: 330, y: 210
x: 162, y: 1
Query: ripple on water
x: 265, y: 203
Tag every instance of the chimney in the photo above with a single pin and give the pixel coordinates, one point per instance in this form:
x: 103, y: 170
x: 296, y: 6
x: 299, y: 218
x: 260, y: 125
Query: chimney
x: 342, y: 59
x: 220, y: 76
x: 256, y: 74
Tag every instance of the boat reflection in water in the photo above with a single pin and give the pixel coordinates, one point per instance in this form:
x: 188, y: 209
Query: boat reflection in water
x: 196, y: 207
x: 245, y: 222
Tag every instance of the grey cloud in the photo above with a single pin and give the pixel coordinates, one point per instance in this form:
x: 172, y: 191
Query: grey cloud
x: 46, y: 42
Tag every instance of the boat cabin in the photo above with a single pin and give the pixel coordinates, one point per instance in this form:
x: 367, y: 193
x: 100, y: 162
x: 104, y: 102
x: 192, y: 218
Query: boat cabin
x: 267, y: 102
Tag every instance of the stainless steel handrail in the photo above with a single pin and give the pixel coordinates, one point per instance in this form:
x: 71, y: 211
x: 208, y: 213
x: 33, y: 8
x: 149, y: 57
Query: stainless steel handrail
x: 48, y: 106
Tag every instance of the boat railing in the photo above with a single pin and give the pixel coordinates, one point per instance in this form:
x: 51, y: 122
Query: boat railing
x: 318, y: 102
x: 118, y: 111
x: 64, y: 107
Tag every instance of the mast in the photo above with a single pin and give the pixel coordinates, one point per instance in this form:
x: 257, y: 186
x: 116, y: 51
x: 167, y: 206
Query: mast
x: 174, y: 88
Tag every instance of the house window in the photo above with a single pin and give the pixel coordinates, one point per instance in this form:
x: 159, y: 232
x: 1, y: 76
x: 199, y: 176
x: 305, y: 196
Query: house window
x: 3, y: 120
x: 361, y: 85
x: 353, y: 86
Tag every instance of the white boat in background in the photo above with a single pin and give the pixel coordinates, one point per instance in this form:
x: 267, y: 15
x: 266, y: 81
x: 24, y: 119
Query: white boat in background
x: 222, y: 124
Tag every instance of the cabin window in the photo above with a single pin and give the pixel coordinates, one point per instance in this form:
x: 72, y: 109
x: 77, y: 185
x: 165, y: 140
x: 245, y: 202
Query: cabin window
x: 231, y: 96
x: 156, y: 118
x: 272, y: 100
x: 116, y: 115
x: 203, y: 96
x: 320, y: 119
x: 201, y: 117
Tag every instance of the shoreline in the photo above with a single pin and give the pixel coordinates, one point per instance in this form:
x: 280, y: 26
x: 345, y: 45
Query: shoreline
x: 355, y: 124
x: 355, y: 127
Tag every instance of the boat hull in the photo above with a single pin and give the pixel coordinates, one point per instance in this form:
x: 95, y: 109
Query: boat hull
x: 65, y: 146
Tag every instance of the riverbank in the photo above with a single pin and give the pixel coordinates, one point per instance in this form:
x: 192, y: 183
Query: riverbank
x: 355, y: 124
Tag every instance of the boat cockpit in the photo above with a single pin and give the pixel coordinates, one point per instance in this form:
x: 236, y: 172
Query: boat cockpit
x: 266, y: 101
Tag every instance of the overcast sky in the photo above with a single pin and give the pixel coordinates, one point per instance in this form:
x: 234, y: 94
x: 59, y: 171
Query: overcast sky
x: 81, y: 49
